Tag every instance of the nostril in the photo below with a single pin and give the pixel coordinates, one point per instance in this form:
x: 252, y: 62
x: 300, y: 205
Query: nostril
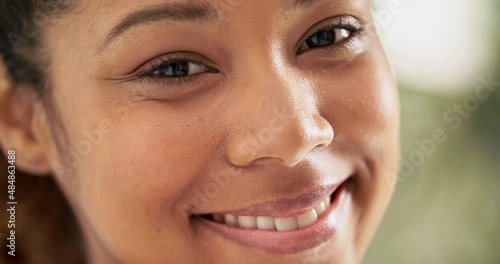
x: 322, y: 145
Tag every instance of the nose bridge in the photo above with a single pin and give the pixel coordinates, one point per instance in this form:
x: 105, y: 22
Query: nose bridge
x: 280, y: 119
x: 276, y: 83
x: 287, y: 102
x: 279, y: 89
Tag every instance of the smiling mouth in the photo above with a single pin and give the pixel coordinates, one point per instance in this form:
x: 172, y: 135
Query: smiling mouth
x: 284, y: 226
x: 272, y: 223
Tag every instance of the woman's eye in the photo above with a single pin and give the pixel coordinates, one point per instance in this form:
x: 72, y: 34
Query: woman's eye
x: 325, y: 38
x: 180, y: 69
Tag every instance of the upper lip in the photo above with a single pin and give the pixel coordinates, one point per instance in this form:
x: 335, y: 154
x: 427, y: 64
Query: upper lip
x: 287, y: 207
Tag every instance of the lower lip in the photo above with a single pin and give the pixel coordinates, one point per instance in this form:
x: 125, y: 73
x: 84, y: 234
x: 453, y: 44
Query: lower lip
x: 289, y: 242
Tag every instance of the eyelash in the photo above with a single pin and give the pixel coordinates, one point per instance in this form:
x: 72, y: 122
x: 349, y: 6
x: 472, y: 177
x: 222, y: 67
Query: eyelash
x: 149, y: 76
x: 355, y: 30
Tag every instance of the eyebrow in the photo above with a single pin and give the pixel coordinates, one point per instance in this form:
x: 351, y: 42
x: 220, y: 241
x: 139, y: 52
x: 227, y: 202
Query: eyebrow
x: 177, y: 11
x: 297, y: 4
x: 180, y: 12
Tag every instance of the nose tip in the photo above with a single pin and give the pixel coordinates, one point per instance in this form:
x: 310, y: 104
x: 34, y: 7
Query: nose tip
x: 280, y: 143
x: 306, y: 140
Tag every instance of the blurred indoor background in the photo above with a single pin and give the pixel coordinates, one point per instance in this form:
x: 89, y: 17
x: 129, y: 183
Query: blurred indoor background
x: 446, y: 208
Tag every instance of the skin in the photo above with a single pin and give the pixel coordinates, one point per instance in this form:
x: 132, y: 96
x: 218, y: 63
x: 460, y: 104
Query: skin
x: 145, y: 154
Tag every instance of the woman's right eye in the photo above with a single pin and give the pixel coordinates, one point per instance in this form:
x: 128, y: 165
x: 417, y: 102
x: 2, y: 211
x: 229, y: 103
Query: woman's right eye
x: 180, y: 69
x: 174, y: 68
x: 176, y: 75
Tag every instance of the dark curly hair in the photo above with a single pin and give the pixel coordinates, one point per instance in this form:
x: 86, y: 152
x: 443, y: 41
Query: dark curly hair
x: 46, y: 229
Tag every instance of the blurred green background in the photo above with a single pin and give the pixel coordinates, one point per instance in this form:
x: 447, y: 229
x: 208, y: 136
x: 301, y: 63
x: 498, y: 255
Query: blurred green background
x: 448, y: 209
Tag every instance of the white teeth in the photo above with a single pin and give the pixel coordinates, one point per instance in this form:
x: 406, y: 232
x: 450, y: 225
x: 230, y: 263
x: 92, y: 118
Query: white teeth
x: 320, y: 208
x: 265, y: 223
x: 231, y: 220
x: 327, y: 201
x: 274, y: 223
x: 307, y: 219
x: 247, y: 221
x: 286, y: 224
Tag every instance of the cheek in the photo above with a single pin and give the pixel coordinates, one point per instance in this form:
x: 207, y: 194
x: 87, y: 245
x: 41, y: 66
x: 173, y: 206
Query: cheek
x: 159, y: 158
x: 137, y: 171
x: 150, y: 158
x: 362, y: 103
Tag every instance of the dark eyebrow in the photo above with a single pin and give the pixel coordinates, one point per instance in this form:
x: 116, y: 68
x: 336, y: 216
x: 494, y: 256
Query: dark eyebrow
x: 296, y: 4
x: 189, y: 12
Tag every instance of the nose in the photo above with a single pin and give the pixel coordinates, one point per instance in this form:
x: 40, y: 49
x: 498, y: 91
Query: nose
x: 279, y: 120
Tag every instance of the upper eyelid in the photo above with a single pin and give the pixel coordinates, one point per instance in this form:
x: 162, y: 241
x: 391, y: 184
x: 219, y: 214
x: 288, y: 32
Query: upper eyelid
x: 333, y: 22
x: 356, y: 25
x: 164, y: 59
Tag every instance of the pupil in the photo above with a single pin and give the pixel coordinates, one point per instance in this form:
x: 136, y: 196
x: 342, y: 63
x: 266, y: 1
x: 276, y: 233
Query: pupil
x: 176, y: 69
x: 322, y: 38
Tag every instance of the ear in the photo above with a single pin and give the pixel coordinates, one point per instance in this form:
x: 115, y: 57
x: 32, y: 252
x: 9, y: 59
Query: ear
x: 22, y: 126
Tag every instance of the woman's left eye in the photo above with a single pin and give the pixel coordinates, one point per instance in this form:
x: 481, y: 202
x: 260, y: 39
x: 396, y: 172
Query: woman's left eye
x: 324, y: 38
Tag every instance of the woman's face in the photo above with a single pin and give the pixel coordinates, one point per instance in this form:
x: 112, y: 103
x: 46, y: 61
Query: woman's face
x: 217, y: 131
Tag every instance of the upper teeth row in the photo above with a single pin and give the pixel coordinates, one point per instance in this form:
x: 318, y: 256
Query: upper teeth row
x: 275, y: 223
